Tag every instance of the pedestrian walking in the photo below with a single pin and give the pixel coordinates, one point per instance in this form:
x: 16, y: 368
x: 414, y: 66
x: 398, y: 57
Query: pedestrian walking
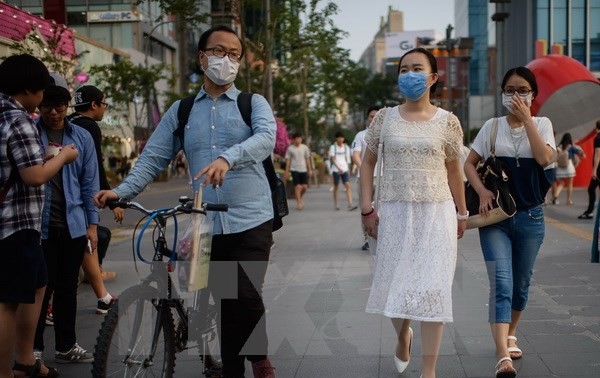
x: 226, y: 161
x: 23, y: 172
x: 526, y: 145
x: 90, y: 106
x: 416, y: 224
x: 569, y: 155
x: 339, y: 154
x: 298, y: 162
x: 359, y: 148
x: 69, y: 222
x: 594, y: 180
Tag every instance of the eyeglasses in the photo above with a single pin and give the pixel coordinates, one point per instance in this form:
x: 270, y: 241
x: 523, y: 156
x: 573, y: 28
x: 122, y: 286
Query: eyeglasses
x: 47, y: 108
x: 105, y: 104
x: 217, y: 51
x: 521, y: 92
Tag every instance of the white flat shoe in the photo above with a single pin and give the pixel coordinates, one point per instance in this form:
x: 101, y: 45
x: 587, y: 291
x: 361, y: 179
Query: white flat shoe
x: 402, y: 365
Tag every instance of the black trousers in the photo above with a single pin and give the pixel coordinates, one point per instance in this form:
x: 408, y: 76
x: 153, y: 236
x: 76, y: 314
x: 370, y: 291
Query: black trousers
x: 237, y: 273
x: 63, y: 259
x: 594, y: 183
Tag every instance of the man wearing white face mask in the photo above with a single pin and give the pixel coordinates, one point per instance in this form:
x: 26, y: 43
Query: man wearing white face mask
x: 225, y: 155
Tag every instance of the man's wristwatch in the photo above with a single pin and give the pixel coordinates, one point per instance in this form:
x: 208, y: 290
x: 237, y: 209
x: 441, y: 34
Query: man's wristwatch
x: 462, y: 217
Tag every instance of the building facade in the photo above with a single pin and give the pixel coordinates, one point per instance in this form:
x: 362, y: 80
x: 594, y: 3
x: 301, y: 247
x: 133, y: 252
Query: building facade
x: 374, y: 56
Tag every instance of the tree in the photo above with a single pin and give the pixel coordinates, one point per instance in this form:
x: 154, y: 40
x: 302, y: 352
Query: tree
x: 312, y: 83
x: 50, y: 50
x: 124, y: 81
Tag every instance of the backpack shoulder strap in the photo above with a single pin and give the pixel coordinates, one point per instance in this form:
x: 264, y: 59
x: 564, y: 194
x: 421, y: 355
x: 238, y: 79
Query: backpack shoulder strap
x: 244, y: 103
x: 183, y: 114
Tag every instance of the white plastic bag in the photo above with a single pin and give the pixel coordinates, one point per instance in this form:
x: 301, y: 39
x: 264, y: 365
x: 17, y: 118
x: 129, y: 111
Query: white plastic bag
x: 193, y: 250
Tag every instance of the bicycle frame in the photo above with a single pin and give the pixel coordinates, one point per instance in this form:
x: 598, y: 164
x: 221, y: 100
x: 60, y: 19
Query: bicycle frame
x: 168, y: 298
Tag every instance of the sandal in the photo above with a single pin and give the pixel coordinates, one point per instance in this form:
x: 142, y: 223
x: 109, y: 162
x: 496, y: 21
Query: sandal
x: 514, y: 352
x: 507, y: 372
x: 33, y: 371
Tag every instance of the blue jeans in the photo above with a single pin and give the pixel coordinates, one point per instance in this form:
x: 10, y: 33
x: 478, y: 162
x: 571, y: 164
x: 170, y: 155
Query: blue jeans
x: 509, y: 249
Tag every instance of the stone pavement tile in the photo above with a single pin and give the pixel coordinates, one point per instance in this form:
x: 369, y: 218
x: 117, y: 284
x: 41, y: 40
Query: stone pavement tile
x: 287, y: 349
x: 447, y: 367
x: 283, y: 368
x: 347, y: 300
x: 356, y: 367
x: 349, y: 325
x: 573, y: 343
x: 349, y: 347
x: 569, y: 364
x: 555, y: 327
x: 572, y: 290
x: 475, y: 345
x: 294, y: 302
x: 553, y: 274
x: 578, y: 300
x: 587, y: 311
x: 299, y: 325
x: 542, y: 313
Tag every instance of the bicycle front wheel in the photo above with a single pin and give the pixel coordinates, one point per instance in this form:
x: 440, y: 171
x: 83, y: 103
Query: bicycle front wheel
x: 136, y: 338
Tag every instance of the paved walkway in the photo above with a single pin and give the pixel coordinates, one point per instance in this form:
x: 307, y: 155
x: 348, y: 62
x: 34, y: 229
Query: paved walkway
x: 318, y: 283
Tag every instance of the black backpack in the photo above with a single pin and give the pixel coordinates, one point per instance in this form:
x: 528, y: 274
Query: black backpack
x: 244, y: 103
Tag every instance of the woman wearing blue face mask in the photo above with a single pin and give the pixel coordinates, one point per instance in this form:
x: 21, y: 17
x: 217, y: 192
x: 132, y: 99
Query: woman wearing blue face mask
x: 416, y: 224
x: 526, y: 144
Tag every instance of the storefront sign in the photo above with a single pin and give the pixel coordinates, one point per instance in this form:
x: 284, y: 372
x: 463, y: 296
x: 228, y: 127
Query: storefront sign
x: 113, y: 16
x: 396, y: 44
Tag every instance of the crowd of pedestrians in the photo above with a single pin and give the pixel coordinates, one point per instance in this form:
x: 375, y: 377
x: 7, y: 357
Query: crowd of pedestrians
x: 411, y: 197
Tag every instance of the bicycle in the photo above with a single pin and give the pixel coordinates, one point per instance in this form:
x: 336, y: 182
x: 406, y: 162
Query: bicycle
x: 148, y: 325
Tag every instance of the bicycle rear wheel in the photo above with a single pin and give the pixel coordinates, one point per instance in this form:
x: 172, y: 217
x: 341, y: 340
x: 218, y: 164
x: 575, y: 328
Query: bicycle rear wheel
x: 125, y: 346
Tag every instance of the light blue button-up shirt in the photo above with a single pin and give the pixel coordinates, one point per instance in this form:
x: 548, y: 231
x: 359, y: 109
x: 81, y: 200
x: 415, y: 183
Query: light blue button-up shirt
x: 216, y: 129
x: 80, y: 182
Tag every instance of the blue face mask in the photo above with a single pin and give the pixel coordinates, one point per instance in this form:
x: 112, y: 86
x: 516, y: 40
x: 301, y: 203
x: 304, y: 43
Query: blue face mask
x: 412, y: 85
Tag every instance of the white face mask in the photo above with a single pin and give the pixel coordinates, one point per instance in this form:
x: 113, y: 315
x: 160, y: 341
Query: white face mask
x: 221, y: 71
x: 507, y: 101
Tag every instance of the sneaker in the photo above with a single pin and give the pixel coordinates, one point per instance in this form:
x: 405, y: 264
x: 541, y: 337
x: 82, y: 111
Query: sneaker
x: 102, y: 308
x: 586, y: 216
x: 38, y: 354
x: 263, y: 369
x: 365, y: 246
x: 75, y: 355
x: 49, y: 316
x: 352, y: 207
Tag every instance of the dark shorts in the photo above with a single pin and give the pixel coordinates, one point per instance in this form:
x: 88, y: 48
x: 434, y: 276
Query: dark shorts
x: 336, y: 178
x: 23, y: 268
x: 300, y: 178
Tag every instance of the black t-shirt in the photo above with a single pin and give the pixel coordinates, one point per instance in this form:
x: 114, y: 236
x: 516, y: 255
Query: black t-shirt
x: 58, y: 203
x: 92, y: 127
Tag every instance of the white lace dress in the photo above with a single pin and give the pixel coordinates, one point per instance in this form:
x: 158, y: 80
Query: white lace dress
x: 417, y: 242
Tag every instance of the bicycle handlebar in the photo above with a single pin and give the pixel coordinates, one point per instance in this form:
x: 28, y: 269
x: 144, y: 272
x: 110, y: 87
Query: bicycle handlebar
x: 184, y: 207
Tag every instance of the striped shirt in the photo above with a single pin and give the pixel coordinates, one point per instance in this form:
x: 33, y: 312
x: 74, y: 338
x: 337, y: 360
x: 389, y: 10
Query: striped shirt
x: 20, y: 147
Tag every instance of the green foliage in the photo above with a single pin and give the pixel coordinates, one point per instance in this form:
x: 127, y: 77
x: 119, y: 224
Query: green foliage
x: 188, y: 10
x: 122, y: 81
x: 50, y: 50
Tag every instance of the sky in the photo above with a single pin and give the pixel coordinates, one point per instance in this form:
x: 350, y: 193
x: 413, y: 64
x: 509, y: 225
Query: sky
x: 361, y: 18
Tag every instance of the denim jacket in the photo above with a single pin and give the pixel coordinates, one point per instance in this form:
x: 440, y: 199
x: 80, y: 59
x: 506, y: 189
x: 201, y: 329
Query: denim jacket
x: 80, y: 182
x: 216, y: 129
